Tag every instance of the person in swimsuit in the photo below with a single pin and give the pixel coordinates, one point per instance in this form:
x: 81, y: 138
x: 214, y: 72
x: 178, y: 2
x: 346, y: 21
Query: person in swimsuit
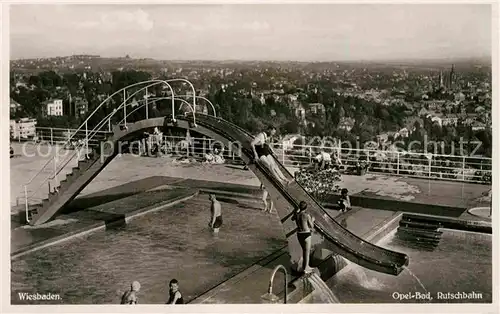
x: 344, y: 202
x: 265, y: 194
x: 175, y: 296
x: 305, y: 225
x: 322, y: 161
x: 337, y: 162
x: 216, y: 217
x: 130, y: 296
x: 263, y: 152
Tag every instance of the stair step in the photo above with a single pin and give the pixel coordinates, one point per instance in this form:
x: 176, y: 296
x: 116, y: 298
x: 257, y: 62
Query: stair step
x: 419, y: 241
x: 405, y: 233
x: 420, y: 233
x: 422, y: 225
x: 420, y: 230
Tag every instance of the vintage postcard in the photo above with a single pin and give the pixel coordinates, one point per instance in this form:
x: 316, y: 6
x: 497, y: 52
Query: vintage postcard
x: 204, y: 156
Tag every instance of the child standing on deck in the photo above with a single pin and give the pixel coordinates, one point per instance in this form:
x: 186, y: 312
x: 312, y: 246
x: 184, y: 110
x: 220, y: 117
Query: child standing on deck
x: 265, y: 194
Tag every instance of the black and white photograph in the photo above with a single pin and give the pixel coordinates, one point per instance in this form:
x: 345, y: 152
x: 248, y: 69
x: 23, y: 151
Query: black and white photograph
x: 190, y: 154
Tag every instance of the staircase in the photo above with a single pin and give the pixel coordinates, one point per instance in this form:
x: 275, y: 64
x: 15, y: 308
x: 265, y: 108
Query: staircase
x: 92, y: 137
x: 420, y: 233
x: 74, y: 182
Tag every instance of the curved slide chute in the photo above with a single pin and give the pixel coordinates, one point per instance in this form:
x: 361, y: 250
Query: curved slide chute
x: 338, y: 239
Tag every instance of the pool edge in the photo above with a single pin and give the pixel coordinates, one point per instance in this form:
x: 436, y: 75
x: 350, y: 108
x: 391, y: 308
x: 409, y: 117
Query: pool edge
x: 97, y: 226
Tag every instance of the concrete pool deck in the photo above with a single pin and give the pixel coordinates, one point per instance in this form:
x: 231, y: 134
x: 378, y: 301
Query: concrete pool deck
x: 26, y: 239
x: 120, y: 190
x: 232, y: 289
x: 170, y: 243
x: 370, y: 225
x: 369, y: 191
x: 228, y: 290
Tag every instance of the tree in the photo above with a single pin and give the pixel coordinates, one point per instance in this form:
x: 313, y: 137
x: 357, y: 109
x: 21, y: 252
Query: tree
x: 122, y: 79
x: 50, y: 79
x: 72, y: 82
x: 35, y: 80
x: 341, y: 113
x: 291, y: 127
x: 485, y: 137
x: 436, y: 131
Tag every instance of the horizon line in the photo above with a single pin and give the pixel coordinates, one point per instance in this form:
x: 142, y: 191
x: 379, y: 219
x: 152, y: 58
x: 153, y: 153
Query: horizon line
x: 482, y: 58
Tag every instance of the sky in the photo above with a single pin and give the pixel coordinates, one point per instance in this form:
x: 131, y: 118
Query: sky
x: 301, y: 32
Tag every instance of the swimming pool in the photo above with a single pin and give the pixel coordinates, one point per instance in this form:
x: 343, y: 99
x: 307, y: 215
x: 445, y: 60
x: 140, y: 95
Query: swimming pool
x: 462, y: 262
x: 152, y: 249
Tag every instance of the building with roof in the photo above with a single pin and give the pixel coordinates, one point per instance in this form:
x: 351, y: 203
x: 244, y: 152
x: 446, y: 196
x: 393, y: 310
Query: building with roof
x: 54, y: 107
x: 22, y: 128
x: 14, y: 106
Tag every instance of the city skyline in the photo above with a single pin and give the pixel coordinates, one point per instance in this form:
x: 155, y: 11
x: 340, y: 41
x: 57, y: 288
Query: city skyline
x: 278, y: 32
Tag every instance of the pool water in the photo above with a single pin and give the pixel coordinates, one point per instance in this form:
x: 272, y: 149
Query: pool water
x: 152, y: 249
x: 462, y: 262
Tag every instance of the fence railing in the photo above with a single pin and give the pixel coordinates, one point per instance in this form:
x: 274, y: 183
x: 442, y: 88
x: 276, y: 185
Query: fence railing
x: 91, y: 132
x: 446, y: 167
x: 65, y: 137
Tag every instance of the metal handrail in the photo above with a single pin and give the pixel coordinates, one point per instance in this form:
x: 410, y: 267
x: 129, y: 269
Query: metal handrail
x: 403, y: 155
x: 65, y: 161
x: 205, y: 99
x: 84, y: 123
x: 58, y: 129
x: 85, y: 143
x: 404, y: 160
x: 155, y: 99
x: 270, y: 296
x: 194, y: 97
x: 299, y: 146
x: 153, y: 83
x: 97, y: 128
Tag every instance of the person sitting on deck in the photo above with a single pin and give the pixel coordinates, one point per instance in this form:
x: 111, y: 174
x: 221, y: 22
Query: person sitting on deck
x: 130, y: 296
x: 263, y: 152
x: 175, y: 296
x: 344, y: 201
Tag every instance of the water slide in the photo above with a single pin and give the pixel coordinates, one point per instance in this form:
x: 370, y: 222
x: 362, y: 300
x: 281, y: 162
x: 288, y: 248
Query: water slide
x: 336, y: 238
